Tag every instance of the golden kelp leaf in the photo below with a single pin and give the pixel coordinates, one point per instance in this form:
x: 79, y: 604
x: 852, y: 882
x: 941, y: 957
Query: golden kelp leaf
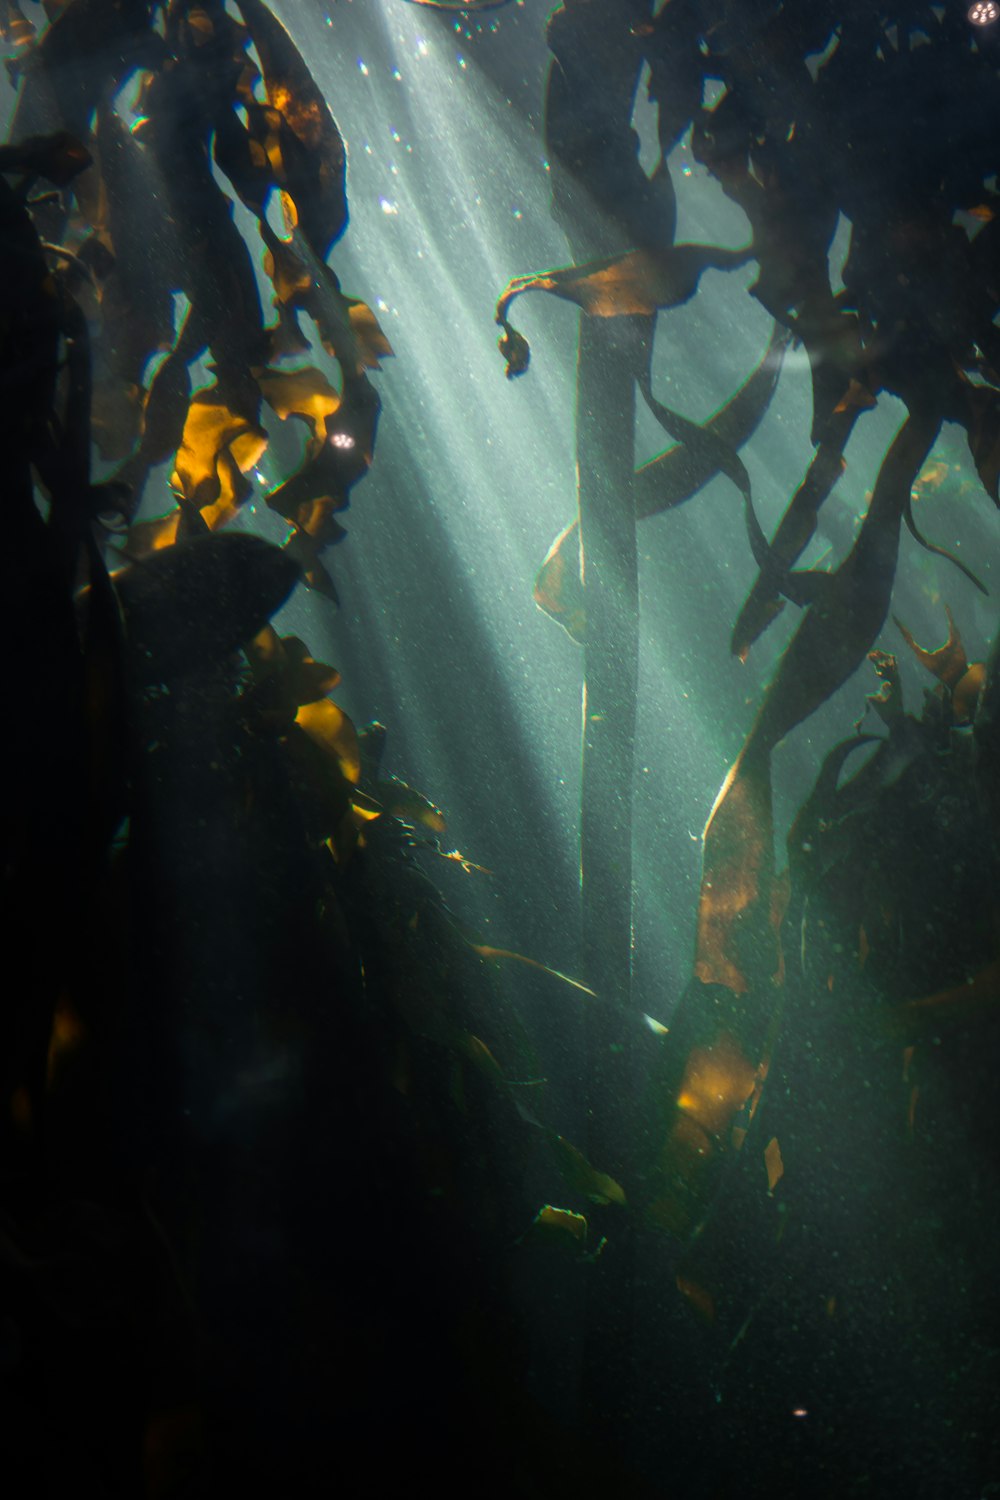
x: 965, y: 693
x: 557, y: 1229
x: 371, y: 340
x: 559, y: 585
x: 718, y: 1080
x: 948, y: 662
x: 736, y: 876
x: 582, y: 1177
x: 330, y: 728
x: 774, y: 1164
x: 211, y: 428
x: 145, y: 537
x: 305, y: 393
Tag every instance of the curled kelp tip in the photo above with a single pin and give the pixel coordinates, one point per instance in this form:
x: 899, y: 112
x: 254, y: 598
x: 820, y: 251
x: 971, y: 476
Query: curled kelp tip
x: 515, y: 349
x: 961, y: 682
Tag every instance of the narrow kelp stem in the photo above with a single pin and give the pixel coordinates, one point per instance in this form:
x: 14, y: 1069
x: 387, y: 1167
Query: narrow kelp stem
x: 605, y: 421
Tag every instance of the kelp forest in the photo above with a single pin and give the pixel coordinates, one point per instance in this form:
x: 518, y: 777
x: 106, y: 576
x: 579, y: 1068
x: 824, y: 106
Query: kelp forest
x: 410, y: 1079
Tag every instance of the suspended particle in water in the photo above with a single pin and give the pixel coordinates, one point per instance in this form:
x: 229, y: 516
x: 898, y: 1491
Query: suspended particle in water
x: 984, y: 12
x: 387, y: 206
x: 362, y: 67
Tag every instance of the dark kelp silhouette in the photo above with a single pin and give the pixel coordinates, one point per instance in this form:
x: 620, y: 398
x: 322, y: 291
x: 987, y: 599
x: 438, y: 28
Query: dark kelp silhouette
x: 246, y: 943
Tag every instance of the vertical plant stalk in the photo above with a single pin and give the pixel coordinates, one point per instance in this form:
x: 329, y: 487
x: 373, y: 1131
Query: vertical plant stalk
x: 605, y: 466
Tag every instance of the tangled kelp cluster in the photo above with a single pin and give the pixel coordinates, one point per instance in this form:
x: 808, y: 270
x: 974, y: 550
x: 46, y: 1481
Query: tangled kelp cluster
x: 825, y: 112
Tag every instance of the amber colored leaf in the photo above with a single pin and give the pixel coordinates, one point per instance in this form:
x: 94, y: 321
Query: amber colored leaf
x: 582, y: 1177
x: 736, y: 875
x: 718, y: 1080
x: 557, y: 1229
x: 145, y: 537
x: 305, y: 393
x: 774, y: 1164
x: 216, y: 436
x: 371, y: 340
x: 966, y: 693
x: 948, y: 662
x: 330, y: 728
